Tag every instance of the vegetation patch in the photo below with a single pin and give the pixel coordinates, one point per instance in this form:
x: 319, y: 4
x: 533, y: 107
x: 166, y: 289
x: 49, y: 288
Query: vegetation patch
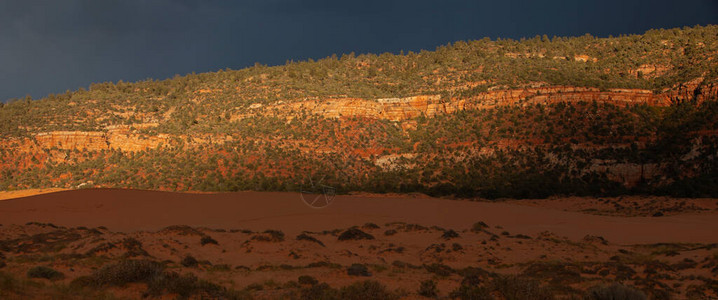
x: 306, y: 237
x: 614, y: 291
x: 353, y: 234
x: 358, y: 270
x: 207, y: 240
x: 274, y: 236
x: 45, y: 273
x: 159, y: 282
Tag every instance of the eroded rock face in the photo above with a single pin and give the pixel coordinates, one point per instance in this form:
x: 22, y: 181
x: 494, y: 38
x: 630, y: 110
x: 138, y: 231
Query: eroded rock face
x: 402, y: 109
x: 69, y: 140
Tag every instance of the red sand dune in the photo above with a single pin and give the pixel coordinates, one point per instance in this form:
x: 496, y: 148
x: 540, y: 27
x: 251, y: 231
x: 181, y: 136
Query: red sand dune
x: 132, y: 210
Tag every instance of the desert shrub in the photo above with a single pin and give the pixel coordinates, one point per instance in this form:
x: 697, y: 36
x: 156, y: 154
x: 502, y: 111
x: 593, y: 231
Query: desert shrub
x: 207, y: 240
x: 187, y: 285
x: 306, y: 279
x: 321, y: 291
x: 324, y: 264
x: 306, y: 237
x: 479, y: 226
x: 473, y: 276
x: 189, y: 261
x: 614, y: 291
x: 270, y: 236
x: 181, y: 230
x: 126, y: 271
x: 45, y: 272
x: 449, y: 234
x: 428, y: 289
x: 368, y: 289
x: 400, y: 264
x: 413, y: 227
x: 158, y: 281
x: 370, y: 226
x: 133, y: 247
x: 456, y: 247
x: 355, y: 234
x: 559, y: 273
x: 358, y: 270
x: 221, y: 268
x: 82, y: 281
x: 439, y: 269
x: 468, y: 292
x: 517, y: 288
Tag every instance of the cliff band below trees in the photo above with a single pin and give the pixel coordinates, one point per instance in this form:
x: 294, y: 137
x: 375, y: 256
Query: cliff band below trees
x: 126, y: 139
x: 401, y: 109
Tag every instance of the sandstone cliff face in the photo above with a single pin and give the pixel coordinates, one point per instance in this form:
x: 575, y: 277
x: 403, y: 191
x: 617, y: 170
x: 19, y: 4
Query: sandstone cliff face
x: 402, y: 109
x: 69, y: 140
x: 117, y: 137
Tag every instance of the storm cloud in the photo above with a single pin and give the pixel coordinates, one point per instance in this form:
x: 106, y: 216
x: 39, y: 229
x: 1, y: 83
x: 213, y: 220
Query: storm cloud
x: 50, y: 46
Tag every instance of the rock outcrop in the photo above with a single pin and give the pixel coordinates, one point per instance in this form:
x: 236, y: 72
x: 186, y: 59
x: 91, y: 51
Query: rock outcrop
x: 401, y: 109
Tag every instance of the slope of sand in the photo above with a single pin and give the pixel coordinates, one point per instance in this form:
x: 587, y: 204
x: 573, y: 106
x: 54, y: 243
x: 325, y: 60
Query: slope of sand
x: 5, y: 195
x: 133, y: 210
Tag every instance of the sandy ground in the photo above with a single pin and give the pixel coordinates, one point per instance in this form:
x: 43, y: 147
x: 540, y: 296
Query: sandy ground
x: 568, y: 244
x: 132, y: 210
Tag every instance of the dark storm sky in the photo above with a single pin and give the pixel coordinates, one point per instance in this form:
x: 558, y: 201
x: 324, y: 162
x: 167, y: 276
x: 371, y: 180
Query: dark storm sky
x: 49, y: 46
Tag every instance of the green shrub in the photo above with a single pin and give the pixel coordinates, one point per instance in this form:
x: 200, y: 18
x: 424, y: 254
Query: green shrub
x: 45, y: 272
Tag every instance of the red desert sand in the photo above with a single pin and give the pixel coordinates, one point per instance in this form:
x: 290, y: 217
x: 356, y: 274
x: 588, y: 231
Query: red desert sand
x: 264, y: 245
x: 132, y: 210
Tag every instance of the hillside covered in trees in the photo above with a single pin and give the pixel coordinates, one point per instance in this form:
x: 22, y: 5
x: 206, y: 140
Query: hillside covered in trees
x: 503, y: 118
